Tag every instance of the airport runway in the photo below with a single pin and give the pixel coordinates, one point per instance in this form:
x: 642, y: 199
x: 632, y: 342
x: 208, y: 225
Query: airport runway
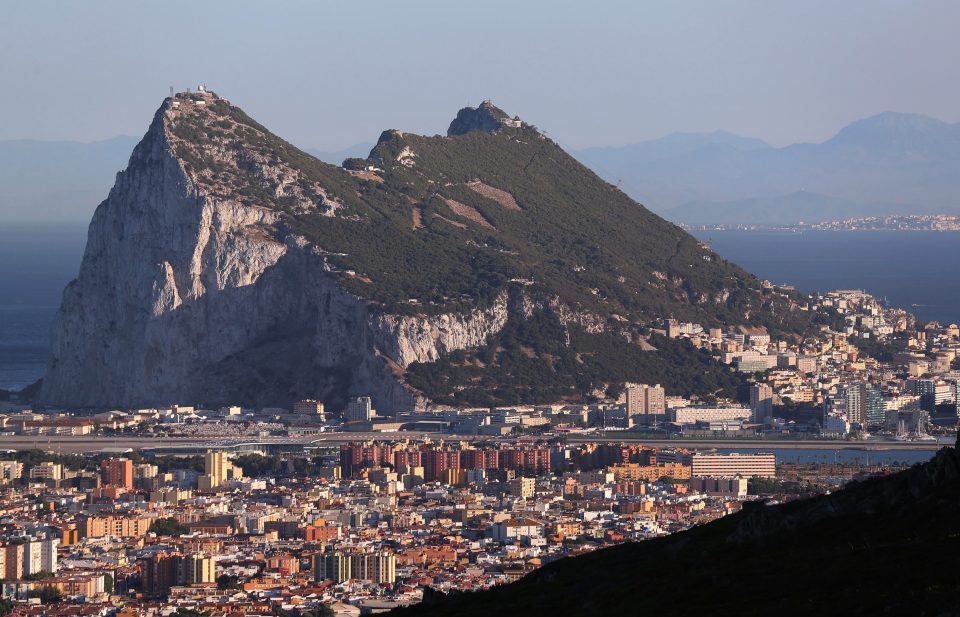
x: 66, y: 444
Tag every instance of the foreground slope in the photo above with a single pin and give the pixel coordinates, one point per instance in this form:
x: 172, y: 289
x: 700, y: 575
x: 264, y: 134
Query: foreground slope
x: 227, y: 265
x: 883, y: 546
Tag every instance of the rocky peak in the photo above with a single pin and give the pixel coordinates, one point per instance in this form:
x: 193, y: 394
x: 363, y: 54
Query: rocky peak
x: 226, y: 264
x: 487, y: 117
x: 228, y: 155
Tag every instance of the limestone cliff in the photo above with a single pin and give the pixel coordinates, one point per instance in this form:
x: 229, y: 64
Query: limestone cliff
x: 191, y: 291
x: 228, y: 266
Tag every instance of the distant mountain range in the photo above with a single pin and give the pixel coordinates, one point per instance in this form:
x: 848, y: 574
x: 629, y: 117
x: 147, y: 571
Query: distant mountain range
x: 891, y: 163
x: 61, y: 181
x: 335, y: 157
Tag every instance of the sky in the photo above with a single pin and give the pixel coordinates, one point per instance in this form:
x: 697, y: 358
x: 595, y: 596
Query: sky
x: 331, y: 74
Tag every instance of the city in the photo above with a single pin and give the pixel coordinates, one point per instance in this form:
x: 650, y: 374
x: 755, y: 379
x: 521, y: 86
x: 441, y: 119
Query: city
x: 360, y: 527
x: 188, y: 509
x: 425, y: 309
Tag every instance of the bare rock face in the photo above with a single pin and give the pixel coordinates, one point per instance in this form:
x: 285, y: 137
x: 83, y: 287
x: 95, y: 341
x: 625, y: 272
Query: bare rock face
x: 423, y: 339
x: 189, y: 291
x: 486, y: 117
x: 227, y: 266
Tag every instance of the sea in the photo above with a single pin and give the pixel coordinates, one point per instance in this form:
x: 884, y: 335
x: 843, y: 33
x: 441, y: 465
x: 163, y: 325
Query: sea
x: 913, y: 270
x: 36, y: 263
x: 845, y: 456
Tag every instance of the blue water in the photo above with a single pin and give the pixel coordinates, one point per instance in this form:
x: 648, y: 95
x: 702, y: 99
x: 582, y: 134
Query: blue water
x: 36, y: 262
x: 914, y: 270
x: 843, y: 456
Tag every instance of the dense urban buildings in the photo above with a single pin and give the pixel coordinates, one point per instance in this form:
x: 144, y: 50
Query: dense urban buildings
x: 264, y: 509
x: 368, y: 523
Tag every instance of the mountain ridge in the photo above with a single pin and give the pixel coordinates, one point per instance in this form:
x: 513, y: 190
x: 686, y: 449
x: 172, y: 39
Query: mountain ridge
x: 57, y: 180
x: 228, y: 264
x: 64, y: 191
x: 887, y: 163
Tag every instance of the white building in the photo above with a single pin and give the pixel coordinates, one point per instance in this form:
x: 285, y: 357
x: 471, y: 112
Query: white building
x: 359, y: 409
x: 761, y: 465
x: 835, y: 424
x: 40, y: 556
x: 516, y: 529
x: 699, y: 413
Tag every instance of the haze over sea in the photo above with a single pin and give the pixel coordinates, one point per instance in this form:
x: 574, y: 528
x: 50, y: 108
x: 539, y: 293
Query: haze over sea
x: 914, y: 270
x: 36, y: 262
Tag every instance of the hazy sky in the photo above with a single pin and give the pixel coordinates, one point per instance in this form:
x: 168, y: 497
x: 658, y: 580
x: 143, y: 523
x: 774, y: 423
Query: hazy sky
x: 329, y: 75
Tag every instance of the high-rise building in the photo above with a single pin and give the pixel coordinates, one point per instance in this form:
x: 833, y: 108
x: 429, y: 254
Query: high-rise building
x: 875, y: 411
x: 933, y: 392
x: 692, y: 414
x: 523, y: 487
x: 309, y: 407
x: 647, y: 401
x: 532, y: 460
x: 32, y: 558
x: 378, y: 567
x: 354, y: 456
x: 217, y: 470
x: 160, y: 573
x: 196, y: 568
x: 333, y: 566
x: 118, y: 525
x: 145, y: 471
x: 761, y: 401
x: 854, y: 396
x: 480, y: 458
x: 47, y: 470
x: 437, y: 462
x: 10, y: 471
x: 806, y: 364
x: 40, y: 555
x: 117, y: 472
x: 14, y: 562
x: 48, y: 554
x: 359, y: 409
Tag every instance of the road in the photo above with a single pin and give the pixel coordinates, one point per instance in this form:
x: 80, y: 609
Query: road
x: 66, y: 444
x: 770, y: 444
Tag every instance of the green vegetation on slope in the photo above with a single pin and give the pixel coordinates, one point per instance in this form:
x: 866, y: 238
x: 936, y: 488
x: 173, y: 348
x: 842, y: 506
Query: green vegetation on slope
x: 430, y: 225
x: 576, y: 236
x: 529, y: 361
